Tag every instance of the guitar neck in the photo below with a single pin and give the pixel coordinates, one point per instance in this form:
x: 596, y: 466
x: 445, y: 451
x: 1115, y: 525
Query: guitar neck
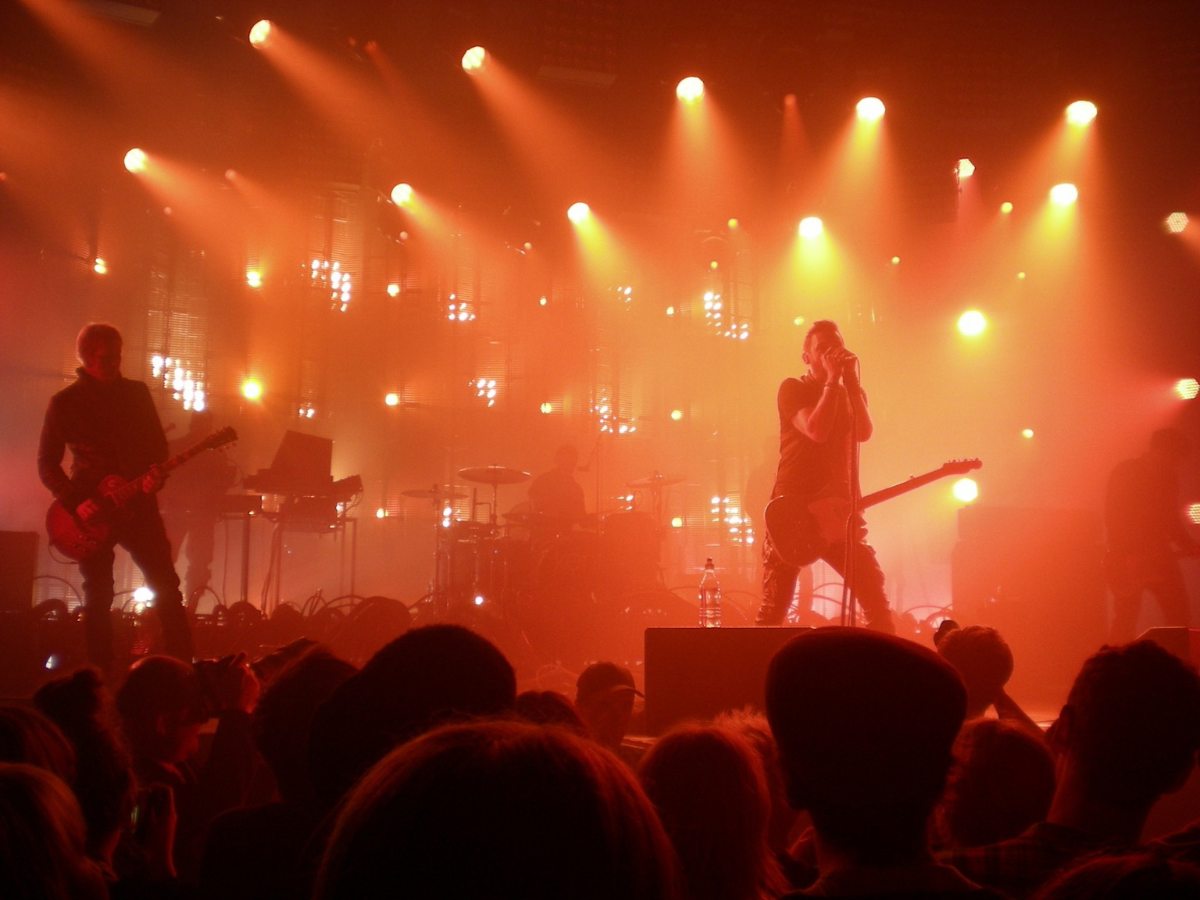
x: 910, y: 484
x: 126, y: 492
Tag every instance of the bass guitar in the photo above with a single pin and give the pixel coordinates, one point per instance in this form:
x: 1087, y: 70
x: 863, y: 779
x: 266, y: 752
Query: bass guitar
x: 78, y: 540
x: 800, y: 528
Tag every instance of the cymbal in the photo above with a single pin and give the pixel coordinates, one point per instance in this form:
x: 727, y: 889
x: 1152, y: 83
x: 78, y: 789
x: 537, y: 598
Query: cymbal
x: 657, y: 480
x: 493, y: 474
x: 440, y: 492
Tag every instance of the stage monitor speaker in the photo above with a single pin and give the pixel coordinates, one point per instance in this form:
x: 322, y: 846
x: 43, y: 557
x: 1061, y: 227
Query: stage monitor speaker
x: 696, y: 673
x: 1183, y: 642
x: 18, y: 565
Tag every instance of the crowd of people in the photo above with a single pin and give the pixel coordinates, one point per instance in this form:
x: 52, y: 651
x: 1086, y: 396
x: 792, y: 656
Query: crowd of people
x: 879, y: 767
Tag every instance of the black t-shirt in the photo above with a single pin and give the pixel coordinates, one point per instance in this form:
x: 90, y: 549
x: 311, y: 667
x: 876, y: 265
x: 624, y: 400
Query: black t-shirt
x: 808, y: 468
x: 1140, y: 506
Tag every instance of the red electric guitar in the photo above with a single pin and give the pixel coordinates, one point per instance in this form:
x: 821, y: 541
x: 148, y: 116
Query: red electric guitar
x: 78, y: 540
x: 800, y: 528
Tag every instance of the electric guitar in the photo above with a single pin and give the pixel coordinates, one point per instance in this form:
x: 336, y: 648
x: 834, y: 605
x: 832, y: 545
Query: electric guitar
x: 800, y: 528
x: 78, y: 540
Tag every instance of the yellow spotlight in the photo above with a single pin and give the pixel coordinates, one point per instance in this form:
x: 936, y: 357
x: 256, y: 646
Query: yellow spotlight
x: 965, y: 168
x: 1081, y: 112
x: 811, y: 227
x: 1027, y: 433
x: 1021, y: 276
x: 1176, y: 222
x: 1187, y: 388
x: 690, y: 89
x: 677, y: 521
x: 393, y: 290
x: 1064, y: 194
x: 579, y: 212
x: 474, y: 59
x: 732, y: 224
x: 798, y: 321
x: 670, y: 311
x: 402, y: 193
x: 965, y: 490
x: 1193, y: 513
x: 676, y: 415
x: 1006, y: 207
x: 99, y: 266
x: 391, y: 399
x: 869, y: 109
x: 546, y: 408
x: 895, y: 260
x: 260, y: 33
x: 972, y: 323
x: 252, y: 389
x: 135, y: 160
x: 254, y: 278
x: 380, y: 513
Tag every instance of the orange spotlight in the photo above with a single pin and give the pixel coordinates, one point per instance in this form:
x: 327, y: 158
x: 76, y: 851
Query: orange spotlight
x: 1176, y: 222
x: 965, y: 168
x: 546, y: 408
x: 579, y: 212
x: 1006, y: 207
x: 393, y: 290
x: 254, y: 278
x: 402, y: 193
x: 1064, y: 194
x: 1081, y: 112
x: 869, y: 109
x: 260, y: 33
x: 1187, y: 388
x: 690, y: 89
x: 895, y: 260
x: 99, y: 266
x: 972, y: 323
x: 732, y: 224
x: 391, y: 399
x: 252, y: 388
x: 811, y: 227
x: 965, y: 490
x: 676, y: 415
x: 1027, y: 433
x: 473, y: 59
x: 135, y: 161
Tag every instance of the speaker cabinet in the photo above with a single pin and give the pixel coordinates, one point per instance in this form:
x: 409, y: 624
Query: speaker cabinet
x: 18, y: 565
x: 696, y: 673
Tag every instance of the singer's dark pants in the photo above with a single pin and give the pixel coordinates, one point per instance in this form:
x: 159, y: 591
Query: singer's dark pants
x: 866, y: 583
x: 144, y: 536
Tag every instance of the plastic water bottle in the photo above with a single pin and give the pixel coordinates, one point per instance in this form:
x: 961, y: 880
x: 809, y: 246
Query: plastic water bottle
x: 710, y: 597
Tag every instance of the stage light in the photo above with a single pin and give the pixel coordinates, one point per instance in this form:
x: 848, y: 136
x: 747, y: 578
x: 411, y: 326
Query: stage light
x: 402, y: 193
x: 670, y: 312
x: 1027, y: 433
x: 965, y: 168
x: 135, y: 160
x: 798, y: 321
x: 53, y: 661
x: 260, y: 33
x: 1006, y: 207
x: 474, y: 59
x: 252, y: 389
x: 1064, y: 194
x: 1021, y: 276
x: 732, y: 224
x: 380, y: 512
x: 578, y: 212
x: 479, y: 600
x: 965, y: 490
x: 143, y: 594
x: 393, y: 290
x: 1081, y: 112
x: 546, y: 408
x: 676, y: 415
x: 1176, y: 222
x: 99, y: 266
x: 869, y: 109
x: 895, y: 260
x: 254, y: 278
x: 1193, y: 513
x: 391, y: 399
x: 677, y: 521
x: 811, y: 227
x: 972, y: 323
x: 1187, y: 388
x: 690, y: 89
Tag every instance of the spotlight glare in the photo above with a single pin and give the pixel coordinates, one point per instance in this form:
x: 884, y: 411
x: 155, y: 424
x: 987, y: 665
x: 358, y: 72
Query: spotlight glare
x: 254, y: 278
x: 811, y: 227
x: 966, y: 490
x: 99, y: 266
x: 1081, y: 112
x: 869, y: 109
x: 260, y: 32
x: 402, y: 193
x: 1193, y: 513
x: 391, y: 399
x: 1006, y: 207
x: 1064, y: 194
x: 690, y: 89
x: 578, y: 212
x: 393, y: 290
x: 732, y: 224
x: 965, y: 168
x: 1176, y: 222
x: 676, y: 415
x: 474, y: 59
x: 1187, y: 388
x: 895, y: 260
x: 972, y: 323
x: 677, y: 521
x: 1027, y: 433
x: 380, y: 512
x: 546, y: 408
x: 252, y: 389
x: 135, y: 160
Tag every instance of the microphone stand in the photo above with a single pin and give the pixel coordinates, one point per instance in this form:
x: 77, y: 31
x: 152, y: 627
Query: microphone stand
x: 849, y: 607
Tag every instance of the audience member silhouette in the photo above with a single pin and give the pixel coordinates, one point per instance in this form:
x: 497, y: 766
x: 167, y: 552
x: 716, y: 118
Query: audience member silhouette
x: 1001, y: 782
x: 865, y: 723
x: 1127, y: 876
x: 549, y: 708
x: 27, y: 736
x: 984, y: 661
x: 604, y: 695
x: 711, y: 793
x: 501, y: 809
x: 43, y: 854
x: 1128, y: 734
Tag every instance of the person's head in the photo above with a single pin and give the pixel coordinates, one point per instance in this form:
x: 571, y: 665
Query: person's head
x: 162, y: 707
x: 822, y: 336
x: 498, y: 809
x: 1131, y: 724
x: 425, y: 677
x: 42, y: 839
x: 865, y: 723
x: 984, y: 661
x: 1002, y: 781
x: 566, y: 459
x: 1126, y: 876
x: 604, y: 695
x: 752, y: 725
x: 711, y: 793
x: 98, y: 347
x: 549, y: 708
x: 27, y: 736
x: 1169, y: 445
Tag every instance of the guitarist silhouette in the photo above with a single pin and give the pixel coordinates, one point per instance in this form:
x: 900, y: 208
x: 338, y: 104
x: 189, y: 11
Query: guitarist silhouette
x: 111, y: 427
x: 822, y: 417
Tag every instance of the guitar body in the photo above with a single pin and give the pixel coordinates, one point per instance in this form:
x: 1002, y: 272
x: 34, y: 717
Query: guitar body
x: 800, y: 528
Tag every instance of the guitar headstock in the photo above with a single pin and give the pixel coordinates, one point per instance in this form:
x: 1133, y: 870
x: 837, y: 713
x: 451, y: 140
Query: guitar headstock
x: 219, y: 438
x: 960, y: 466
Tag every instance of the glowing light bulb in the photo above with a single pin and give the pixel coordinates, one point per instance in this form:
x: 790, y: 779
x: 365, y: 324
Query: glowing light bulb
x: 676, y: 415
x: 254, y: 278
x: 966, y: 490
x: 393, y: 290
x: 135, y: 160
x: 965, y: 168
x: 1064, y: 194
x: 690, y: 89
x: 1176, y: 222
x: 1027, y: 433
x: 1006, y: 207
x: 473, y: 59
x: 811, y: 227
x: 972, y: 323
x: 1187, y: 388
x: 869, y: 109
x: 578, y: 212
x: 391, y: 399
x: 252, y: 389
x: 260, y: 33
x: 1081, y: 112
x: 99, y: 266
x: 402, y: 193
